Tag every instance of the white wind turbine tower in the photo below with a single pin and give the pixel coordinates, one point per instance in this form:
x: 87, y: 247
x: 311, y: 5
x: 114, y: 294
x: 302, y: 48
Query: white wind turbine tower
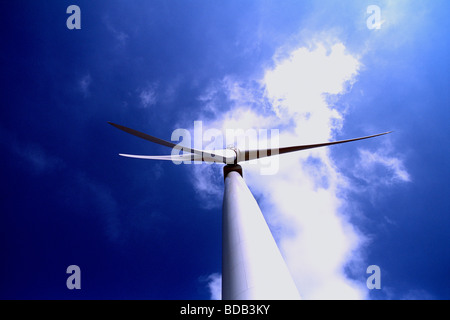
x: 252, y: 266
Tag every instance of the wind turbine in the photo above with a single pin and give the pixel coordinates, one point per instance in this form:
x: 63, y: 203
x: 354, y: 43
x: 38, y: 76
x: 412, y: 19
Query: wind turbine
x: 252, y: 266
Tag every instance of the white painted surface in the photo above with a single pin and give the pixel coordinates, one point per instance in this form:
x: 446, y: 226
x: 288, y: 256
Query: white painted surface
x: 252, y: 266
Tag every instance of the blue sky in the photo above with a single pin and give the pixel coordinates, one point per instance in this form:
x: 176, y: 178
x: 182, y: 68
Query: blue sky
x: 152, y: 230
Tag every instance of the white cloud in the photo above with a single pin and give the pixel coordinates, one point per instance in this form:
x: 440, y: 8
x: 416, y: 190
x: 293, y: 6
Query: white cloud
x: 378, y: 168
x: 215, y: 286
x: 315, y: 236
x: 298, y: 83
x: 207, y: 180
x: 302, y: 201
x: 147, y: 95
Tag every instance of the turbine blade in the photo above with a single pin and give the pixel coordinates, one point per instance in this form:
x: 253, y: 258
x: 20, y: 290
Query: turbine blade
x: 182, y: 157
x: 169, y: 157
x: 144, y: 135
x: 204, y: 155
x: 257, y: 154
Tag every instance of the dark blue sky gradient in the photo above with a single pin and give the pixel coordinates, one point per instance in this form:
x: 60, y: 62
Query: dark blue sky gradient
x: 136, y: 228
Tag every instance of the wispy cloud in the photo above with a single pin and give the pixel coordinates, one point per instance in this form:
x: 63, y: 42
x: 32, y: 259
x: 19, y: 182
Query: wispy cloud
x: 40, y: 160
x: 147, y: 95
x: 84, y: 84
x: 105, y: 204
x: 379, y: 168
x: 208, y: 186
x: 34, y: 156
x: 79, y: 187
x: 418, y: 294
x: 120, y: 36
x: 214, y: 283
